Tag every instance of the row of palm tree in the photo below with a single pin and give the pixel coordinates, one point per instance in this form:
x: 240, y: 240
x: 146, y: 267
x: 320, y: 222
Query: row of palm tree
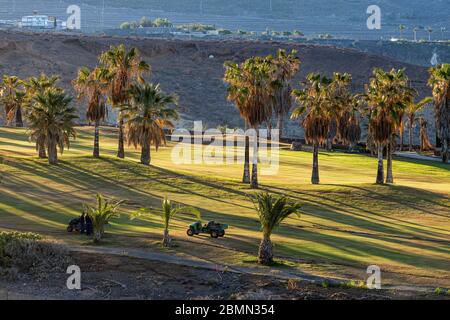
x: 46, y: 108
x: 261, y: 87
x: 271, y: 210
x: 144, y: 109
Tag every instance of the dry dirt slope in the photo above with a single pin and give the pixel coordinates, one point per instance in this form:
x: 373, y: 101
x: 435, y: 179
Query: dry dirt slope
x: 184, y: 67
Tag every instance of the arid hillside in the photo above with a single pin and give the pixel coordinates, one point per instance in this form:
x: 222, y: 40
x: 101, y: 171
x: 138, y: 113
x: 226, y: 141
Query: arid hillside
x: 192, y: 69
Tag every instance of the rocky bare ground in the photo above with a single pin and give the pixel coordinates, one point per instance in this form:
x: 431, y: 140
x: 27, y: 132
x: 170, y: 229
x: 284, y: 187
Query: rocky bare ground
x: 121, y: 277
x: 191, y: 68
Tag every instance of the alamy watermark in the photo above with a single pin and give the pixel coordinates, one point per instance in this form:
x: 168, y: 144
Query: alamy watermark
x: 374, y: 280
x: 74, y: 19
x: 374, y: 20
x: 74, y: 280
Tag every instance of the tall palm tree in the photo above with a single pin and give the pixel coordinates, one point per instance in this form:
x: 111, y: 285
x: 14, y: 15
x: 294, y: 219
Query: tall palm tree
x: 316, y: 111
x: 271, y: 211
x: 415, y: 29
x: 12, y: 98
x: 411, y: 110
x: 33, y: 87
x: 93, y: 84
x: 349, y: 127
x: 440, y: 83
x: 237, y: 94
x: 250, y: 87
x: 147, y: 114
x: 52, y: 118
x: 343, y: 108
x: 430, y: 31
x: 387, y: 96
x: 125, y: 67
x: 285, y: 66
x: 401, y: 28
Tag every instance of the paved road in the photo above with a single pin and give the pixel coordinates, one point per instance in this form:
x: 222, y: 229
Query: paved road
x: 416, y: 156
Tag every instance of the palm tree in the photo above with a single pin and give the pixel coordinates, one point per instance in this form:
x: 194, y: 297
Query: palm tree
x: 93, y: 85
x: 34, y: 86
x: 168, y: 212
x: 348, y: 126
x: 415, y: 33
x: 236, y: 94
x: 52, y: 118
x: 148, y: 113
x: 401, y: 28
x: 285, y: 66
x: 250, y: 88
x: 104, y: 211
x: 12, y: 99
x: 387, y: 96
x: 125, y: 67
x: 440, y: 83
x: 315, y: 107
x: 343, y: 106
x: 411, y: 110
x: 272, y: 211
x: 425, y: 143
x: 430, y: 31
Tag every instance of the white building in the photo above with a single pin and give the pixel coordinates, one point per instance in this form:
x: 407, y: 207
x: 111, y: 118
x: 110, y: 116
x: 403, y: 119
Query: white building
x: 37, y: 21
x: 42, y: 22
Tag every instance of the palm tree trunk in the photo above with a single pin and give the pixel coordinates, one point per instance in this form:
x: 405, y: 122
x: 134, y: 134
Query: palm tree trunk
x: 254, y: 182
x: 166, y: 239
x: 269, y: 130
x: 121, y: 150
x: 445, y: 131
x: 52, y: 152
x: 389, y: 175
x: 145, y: 152
x: 96, y: 153
x: 19, y: 120
x: 280, y: 124
x: 380, y: 172
x: 265, y: 254
x: 246, y: 176
x: 410, y: 137
x: 97, y: 236
x: 315, y: 170
x: 41, y: 148
x: 402, y: 137
x: 445, y: 151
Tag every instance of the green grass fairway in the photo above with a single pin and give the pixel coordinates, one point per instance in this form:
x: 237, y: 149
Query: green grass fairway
x: 348, y: 222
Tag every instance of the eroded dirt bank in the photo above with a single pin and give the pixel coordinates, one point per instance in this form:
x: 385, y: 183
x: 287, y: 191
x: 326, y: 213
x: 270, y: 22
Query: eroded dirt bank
x: 120, y: 277
x: 191, y: 68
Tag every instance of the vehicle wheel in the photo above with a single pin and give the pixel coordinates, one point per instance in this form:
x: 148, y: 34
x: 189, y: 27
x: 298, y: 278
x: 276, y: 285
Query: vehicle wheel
x: 190, y: 232
x: 222, y: 234
x: 69, y: 229
x: 214, y: 234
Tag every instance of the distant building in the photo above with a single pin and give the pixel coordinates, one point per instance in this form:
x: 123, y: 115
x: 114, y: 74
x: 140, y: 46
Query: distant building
x: 42, y: 22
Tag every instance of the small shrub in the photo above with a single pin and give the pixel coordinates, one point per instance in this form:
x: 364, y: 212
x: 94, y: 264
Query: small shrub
x: 293, y: 284
x: 28, y: 253
x: 442, y: 291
